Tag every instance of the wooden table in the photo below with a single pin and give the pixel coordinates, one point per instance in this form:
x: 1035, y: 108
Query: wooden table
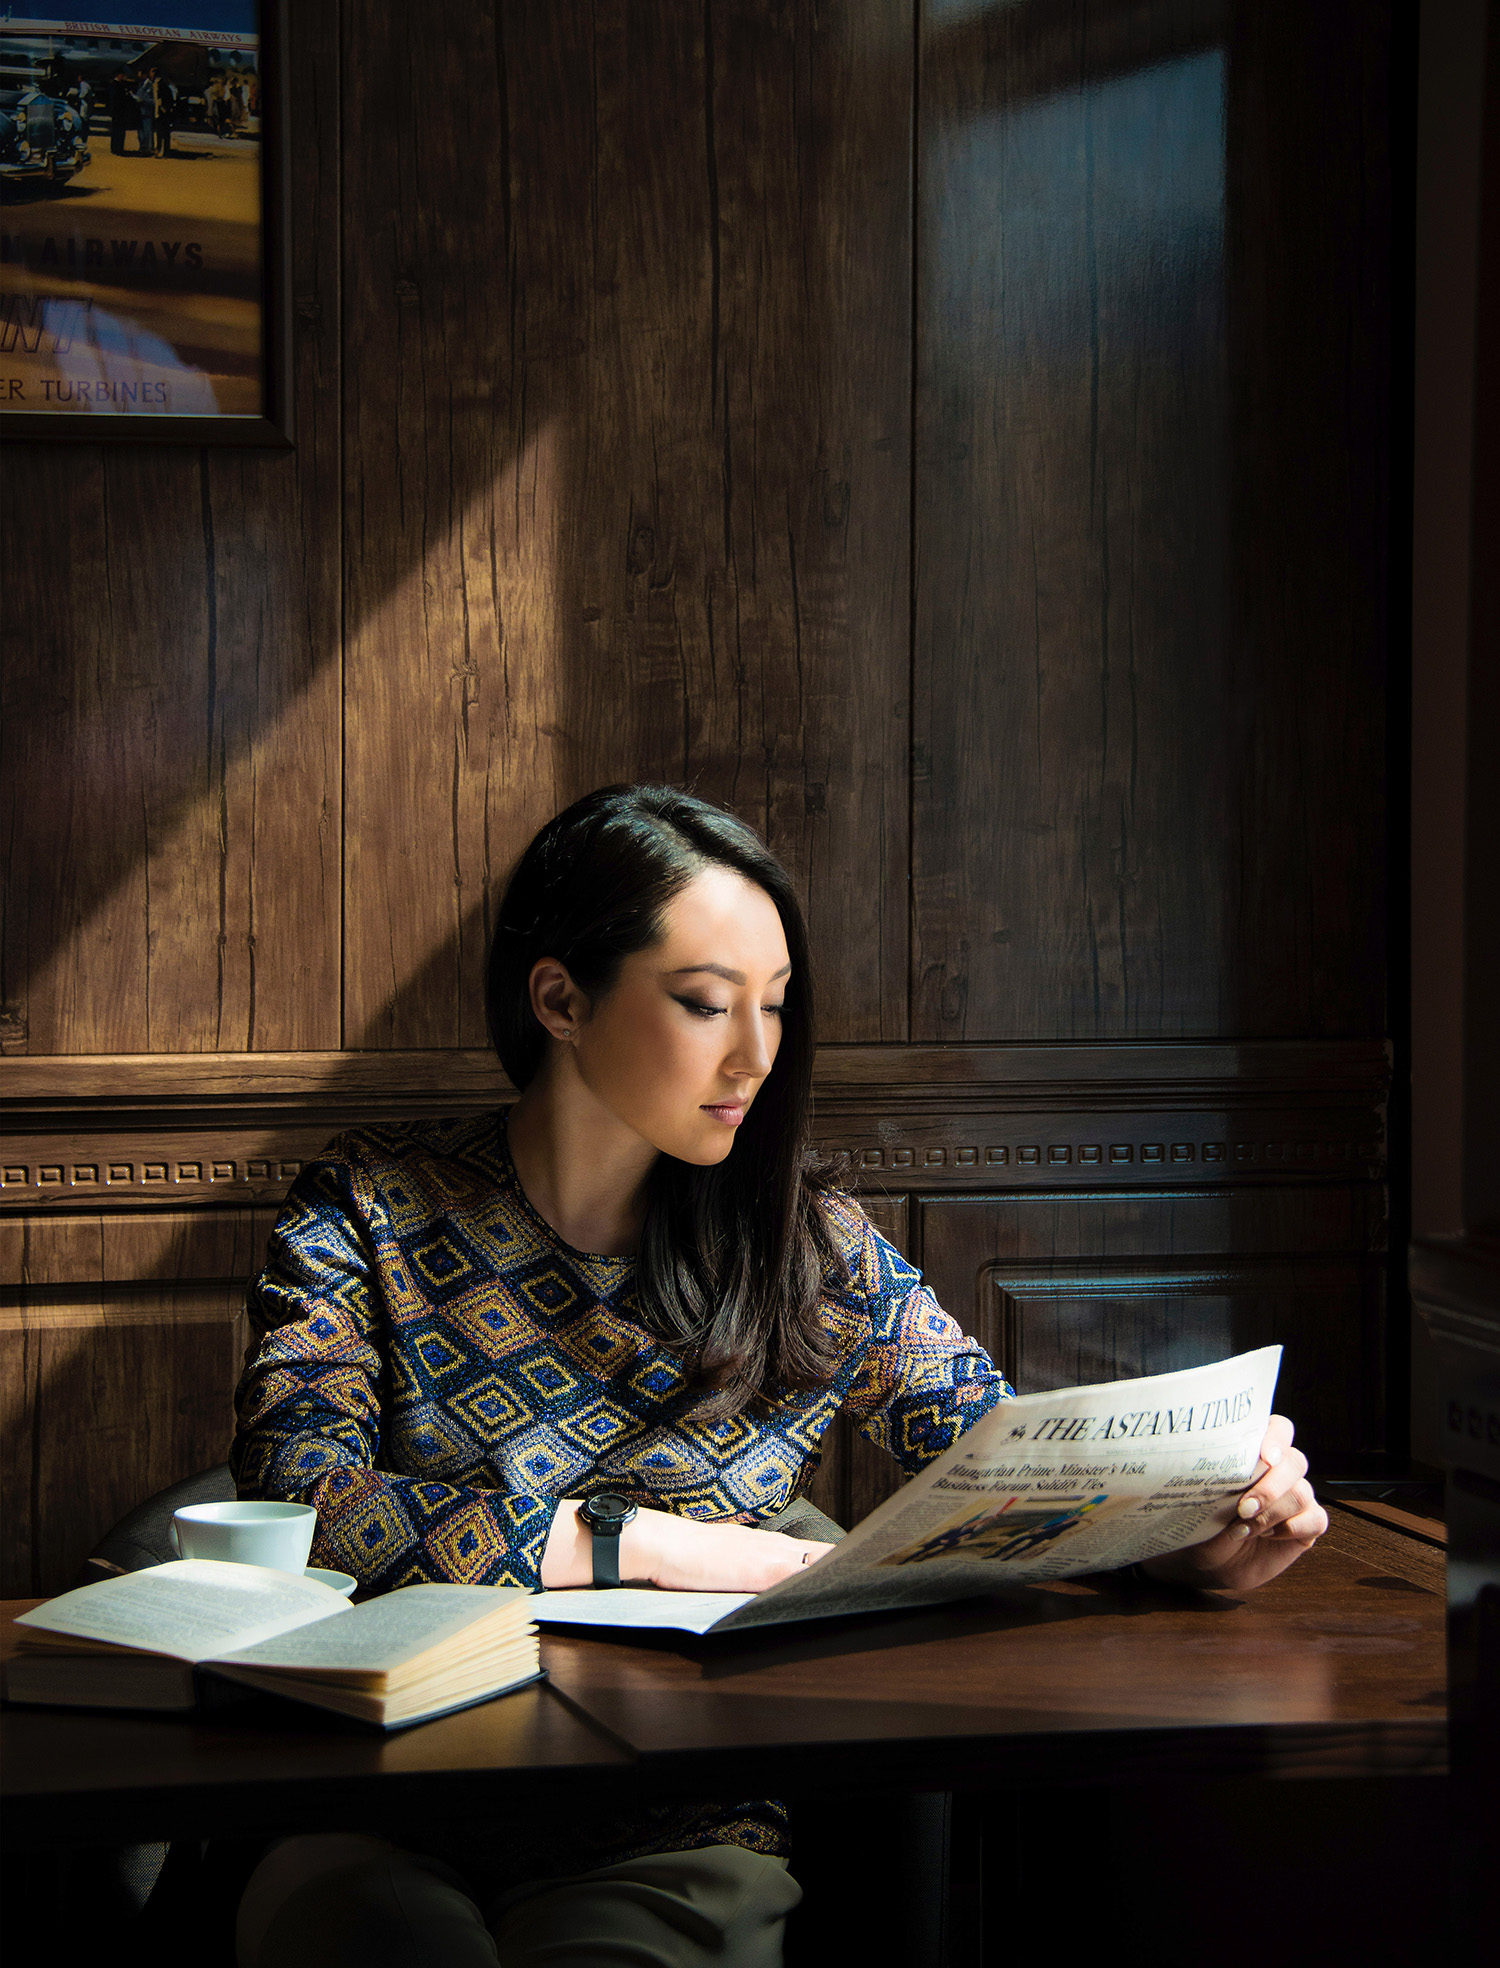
x: 1335, y: 1670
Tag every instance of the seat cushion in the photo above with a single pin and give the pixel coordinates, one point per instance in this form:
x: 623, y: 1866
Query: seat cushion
x: 140, y: 1539
x: 804, y: 1520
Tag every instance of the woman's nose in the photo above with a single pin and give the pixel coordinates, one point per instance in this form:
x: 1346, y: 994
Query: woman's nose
x: 752, y: 1050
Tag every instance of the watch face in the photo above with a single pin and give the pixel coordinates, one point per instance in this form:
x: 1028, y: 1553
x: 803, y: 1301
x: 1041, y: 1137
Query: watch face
x: 608, y: 1509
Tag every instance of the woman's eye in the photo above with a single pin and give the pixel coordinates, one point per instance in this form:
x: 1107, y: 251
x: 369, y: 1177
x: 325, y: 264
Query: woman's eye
x: 703, y: 1010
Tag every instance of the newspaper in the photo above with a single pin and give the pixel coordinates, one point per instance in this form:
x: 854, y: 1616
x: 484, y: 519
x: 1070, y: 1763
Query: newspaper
x: 1080, y: 1480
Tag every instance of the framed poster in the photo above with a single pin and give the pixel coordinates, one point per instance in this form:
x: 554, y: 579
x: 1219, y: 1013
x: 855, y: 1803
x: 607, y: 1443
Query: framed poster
x: 143, y: 290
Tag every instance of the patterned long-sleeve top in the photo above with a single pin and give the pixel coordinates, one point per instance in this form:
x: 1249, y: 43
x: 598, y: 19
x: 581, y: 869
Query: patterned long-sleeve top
x: 436, y: 1368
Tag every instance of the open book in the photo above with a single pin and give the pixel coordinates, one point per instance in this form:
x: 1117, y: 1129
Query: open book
x: 1079, y: 1480
x: 144, y: 1641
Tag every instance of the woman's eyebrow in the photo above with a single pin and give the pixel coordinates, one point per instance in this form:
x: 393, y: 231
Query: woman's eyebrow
x: 729, y: 976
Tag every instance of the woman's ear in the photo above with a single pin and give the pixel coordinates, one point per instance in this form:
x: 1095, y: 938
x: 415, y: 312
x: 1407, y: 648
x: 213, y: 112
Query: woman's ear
x: 559, y: 1005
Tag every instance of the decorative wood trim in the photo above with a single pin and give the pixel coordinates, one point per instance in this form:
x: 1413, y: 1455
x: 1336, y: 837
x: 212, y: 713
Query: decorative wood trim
x: 163, y: 1131
x: 1455, y: 1285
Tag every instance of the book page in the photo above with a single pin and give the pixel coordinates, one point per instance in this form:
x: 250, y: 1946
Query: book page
x: 384, y: 1633
x: 643, y: 1606
x: 190, y: 1608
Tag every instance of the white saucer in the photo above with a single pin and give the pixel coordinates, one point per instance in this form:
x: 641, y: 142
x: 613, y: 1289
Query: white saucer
x: 340, y: 1581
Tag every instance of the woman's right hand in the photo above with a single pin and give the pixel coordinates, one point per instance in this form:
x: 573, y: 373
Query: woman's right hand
x: 678, y: 1554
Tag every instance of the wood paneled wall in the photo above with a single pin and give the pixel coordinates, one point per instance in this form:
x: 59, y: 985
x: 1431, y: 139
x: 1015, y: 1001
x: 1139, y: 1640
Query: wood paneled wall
x: 958, y: 439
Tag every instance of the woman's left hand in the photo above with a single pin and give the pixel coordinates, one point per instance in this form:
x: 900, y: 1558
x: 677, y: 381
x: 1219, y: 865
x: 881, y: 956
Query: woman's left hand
x: 1278, y: 1518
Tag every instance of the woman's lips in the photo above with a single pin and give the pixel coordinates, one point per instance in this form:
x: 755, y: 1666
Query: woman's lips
x: 728, y: 1113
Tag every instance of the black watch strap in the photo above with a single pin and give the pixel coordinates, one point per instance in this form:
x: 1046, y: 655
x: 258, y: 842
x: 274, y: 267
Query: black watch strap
x: 606, y: 1517
x: 606, y: 1554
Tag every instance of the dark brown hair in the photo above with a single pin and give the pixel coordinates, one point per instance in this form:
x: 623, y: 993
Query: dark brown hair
x: 732, y: 1256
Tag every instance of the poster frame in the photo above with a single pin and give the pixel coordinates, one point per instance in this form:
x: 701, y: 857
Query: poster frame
x: 274, y: 426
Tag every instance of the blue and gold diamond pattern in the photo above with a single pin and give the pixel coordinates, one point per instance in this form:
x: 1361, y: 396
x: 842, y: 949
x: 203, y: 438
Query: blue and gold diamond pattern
x: 806, y: 1426
x: 708, y: 1502
x: 436, y: 1441
x: 438, y: 1355
x: 490, y: 1323
x: 726, y: 1435
x: 598, y: 1342
x: 491, y: 1407
x: 550, y: 1288
x: 547, y: 1375
x: 442, y: 1261
x: 375, y: 1529
x: 769, y: 1473
x: 311, y: 1459
x: 428, y: 1499
x: 597, y: 1427
x: 544, y: 1461
x: 657, y: 1377
x: 468, y: 1545
x: 665, y: 1460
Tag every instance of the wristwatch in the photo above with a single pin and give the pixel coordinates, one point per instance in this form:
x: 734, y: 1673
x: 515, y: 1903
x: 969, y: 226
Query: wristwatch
x: 606, y: 1516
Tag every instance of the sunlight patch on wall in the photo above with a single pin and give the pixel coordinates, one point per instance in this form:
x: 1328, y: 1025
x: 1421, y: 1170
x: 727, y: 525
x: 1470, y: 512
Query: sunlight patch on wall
x: 452, y: 753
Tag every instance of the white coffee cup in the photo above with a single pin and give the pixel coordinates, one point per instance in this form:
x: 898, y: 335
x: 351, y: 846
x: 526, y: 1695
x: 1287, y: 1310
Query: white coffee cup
x: 276, y: 1534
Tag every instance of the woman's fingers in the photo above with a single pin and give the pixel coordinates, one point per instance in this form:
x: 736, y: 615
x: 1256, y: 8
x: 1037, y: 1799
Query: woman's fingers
x: 1277, y: 1518
x: 1274, y: 1484
x: 1278, y: 1437
x: 1298, y: 1514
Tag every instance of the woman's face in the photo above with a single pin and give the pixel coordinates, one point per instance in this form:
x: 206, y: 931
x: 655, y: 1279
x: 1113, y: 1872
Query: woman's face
x: 681, y: 1045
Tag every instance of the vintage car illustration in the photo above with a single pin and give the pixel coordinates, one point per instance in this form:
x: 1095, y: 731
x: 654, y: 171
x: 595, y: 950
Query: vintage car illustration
x: 40, y: 136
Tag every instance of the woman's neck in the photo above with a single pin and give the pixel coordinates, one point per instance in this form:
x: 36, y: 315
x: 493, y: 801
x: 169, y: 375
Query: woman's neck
x: 580, y: 1168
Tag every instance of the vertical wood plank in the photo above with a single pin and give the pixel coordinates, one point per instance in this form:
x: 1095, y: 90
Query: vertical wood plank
x: 455, y: 496
x: 20, y: 1402
x: 121, y: 1339
x: 181, y: 1376
x: 173, y: 637
x: 1312, y: 303
x: 105, y: 1398
x: 1150, y: 520
x: 632, y: 500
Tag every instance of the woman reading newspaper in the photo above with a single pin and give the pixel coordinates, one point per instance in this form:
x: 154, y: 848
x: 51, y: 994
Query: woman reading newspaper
x: 605, y: 1334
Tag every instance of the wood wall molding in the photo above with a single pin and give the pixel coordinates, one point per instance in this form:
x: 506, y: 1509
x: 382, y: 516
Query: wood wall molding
x: 1071, y: 1288
x: 52, y: 1308
x: 448, y: 1078
x: 138, y: 1129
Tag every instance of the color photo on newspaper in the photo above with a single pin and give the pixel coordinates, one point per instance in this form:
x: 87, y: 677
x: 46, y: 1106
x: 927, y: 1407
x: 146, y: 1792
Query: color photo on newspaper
x: 132, y: 217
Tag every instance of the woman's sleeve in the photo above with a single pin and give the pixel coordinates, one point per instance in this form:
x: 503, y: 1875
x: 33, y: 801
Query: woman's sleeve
x: 921, y: 1381
x: 309, y: 1412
